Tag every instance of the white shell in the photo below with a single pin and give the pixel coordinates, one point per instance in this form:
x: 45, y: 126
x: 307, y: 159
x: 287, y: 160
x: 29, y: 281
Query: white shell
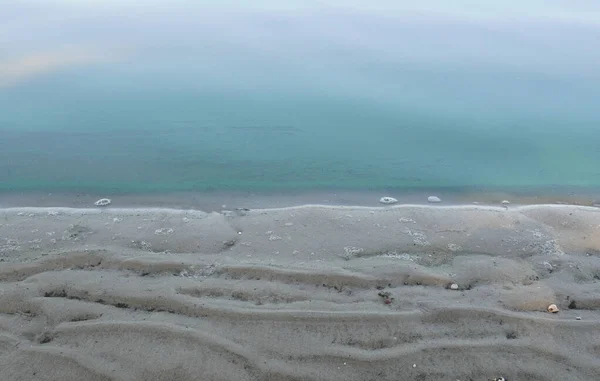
x: 454, y: 286
x: 388, y: 200
x: 553, y: 308
x: 103, y: 202
x: 434, y: 199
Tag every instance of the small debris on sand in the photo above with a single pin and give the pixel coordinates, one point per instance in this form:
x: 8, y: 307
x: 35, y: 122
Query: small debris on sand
x: 505, y: 202
x: 578, y: 318
x: 553, y: 308
x: 388, y: 200
x: 103, y: 202
x: 386, y: 295
x: 454, y: 286
x: 434, y: 199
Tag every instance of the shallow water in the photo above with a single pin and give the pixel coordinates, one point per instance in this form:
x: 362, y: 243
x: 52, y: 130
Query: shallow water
x: 318, y: 97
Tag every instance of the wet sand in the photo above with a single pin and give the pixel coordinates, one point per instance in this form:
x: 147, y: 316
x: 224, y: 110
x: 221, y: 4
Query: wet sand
x: 300, y: 293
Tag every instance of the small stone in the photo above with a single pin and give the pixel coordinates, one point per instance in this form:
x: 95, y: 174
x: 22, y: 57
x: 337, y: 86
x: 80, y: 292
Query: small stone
x: 388, y: 200
x: 454, y: 286
x: 578, y: 318
x: 434, y: 199
x: 103, y: 202
x: 414, y: 365
x: 553, y: 308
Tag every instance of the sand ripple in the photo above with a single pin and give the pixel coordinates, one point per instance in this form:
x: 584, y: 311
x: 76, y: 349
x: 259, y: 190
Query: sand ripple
x: 99, y: 295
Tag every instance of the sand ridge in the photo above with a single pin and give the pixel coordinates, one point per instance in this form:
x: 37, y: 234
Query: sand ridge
x: 292, y: 293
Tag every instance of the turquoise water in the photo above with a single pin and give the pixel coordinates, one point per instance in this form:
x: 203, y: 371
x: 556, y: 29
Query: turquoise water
x: 312, y: 102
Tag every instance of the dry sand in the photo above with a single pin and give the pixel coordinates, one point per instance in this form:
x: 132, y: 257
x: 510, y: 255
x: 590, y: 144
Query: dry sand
x: 292, y: 294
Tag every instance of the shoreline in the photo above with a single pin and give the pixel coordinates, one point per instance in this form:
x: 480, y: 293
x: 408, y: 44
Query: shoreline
x: 518, y: 208
x: 217, y: 201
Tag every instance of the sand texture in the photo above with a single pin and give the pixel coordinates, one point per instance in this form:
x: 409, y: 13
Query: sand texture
x: 300, y: 294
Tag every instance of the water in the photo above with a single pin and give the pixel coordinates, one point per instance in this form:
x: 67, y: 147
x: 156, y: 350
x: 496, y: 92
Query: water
x: 265, y: 100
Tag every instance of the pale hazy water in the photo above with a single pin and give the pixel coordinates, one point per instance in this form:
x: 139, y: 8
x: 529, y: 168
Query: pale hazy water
x: 277, y: 101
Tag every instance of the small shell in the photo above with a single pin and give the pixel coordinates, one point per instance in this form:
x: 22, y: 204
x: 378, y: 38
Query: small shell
x: 388, y: 200
x: 553, y: 308
x: 103, y: 202
x: 454, y: 286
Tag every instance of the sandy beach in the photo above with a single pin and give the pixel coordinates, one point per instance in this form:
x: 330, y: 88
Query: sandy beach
x: 300, y: 293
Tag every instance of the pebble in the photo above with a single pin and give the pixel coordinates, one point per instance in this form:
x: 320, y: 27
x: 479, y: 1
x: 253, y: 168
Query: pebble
x: 434, y: 199
x: 454, y: 286
x: 578, y: 318
x: 388, y: 200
